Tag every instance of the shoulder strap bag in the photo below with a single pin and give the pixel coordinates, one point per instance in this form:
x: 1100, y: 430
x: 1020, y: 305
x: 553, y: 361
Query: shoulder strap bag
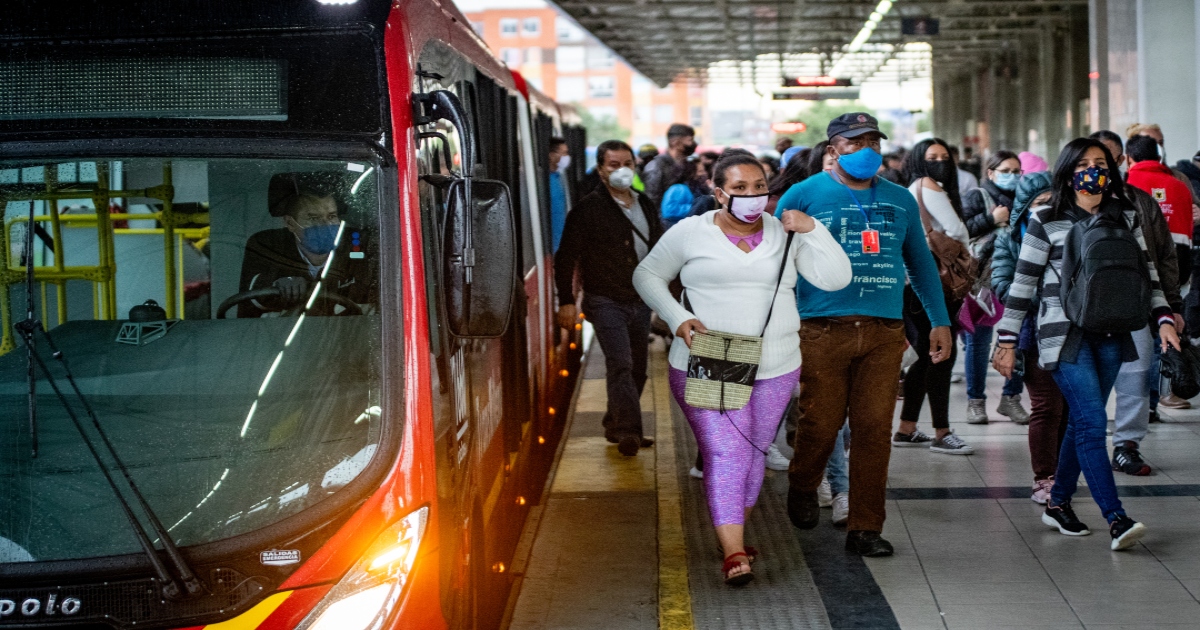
x: 956, y: 267
x: 722, y: 367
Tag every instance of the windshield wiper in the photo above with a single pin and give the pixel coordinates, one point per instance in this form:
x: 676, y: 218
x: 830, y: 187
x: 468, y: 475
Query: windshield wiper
x: 27, y: 330
x: 170, y: 589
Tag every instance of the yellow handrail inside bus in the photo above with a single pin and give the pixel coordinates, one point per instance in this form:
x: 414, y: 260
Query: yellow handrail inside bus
x: 102, y: 275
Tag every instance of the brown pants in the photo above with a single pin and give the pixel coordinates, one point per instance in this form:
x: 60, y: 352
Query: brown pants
x: 851, y: 367
x: 1047, y: 417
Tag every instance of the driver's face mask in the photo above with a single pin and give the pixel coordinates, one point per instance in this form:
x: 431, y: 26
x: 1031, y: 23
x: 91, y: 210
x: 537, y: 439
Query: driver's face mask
x: 320, y: 238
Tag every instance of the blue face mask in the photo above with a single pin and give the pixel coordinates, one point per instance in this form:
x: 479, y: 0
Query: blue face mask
x: 1006, y: 181
x: 320, y: 239
x: 862, y: 164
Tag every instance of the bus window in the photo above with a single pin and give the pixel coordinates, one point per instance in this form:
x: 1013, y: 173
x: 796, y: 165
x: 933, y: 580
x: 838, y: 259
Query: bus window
x: 222, y: 318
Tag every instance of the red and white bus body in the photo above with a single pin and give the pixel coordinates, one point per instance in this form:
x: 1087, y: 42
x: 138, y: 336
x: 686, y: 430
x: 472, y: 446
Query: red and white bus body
x: 430, y: 540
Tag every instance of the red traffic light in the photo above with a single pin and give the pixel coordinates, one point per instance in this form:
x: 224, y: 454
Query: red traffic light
x: 789, y: 127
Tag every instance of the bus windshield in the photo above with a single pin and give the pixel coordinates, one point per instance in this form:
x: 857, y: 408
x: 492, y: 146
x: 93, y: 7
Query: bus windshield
x: 222, y: 319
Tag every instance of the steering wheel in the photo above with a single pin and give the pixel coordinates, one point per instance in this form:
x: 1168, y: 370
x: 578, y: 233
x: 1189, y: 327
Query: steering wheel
x: 350, y: 306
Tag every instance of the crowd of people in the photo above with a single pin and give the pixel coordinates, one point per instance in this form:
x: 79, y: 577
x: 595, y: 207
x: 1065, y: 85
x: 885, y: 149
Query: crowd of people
x: 1070, y: 281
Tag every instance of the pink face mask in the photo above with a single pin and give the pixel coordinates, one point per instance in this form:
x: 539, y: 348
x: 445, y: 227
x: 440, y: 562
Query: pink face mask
x: 747, y: 208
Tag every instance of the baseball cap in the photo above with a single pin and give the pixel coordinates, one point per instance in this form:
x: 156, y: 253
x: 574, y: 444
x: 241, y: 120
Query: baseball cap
x: 853, y: 125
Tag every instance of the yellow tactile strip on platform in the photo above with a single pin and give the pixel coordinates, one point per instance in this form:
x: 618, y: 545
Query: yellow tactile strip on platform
x: 591, y: 464
x: 674, y: 595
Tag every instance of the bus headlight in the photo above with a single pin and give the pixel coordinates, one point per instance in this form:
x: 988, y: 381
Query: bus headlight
x: 365, y: 597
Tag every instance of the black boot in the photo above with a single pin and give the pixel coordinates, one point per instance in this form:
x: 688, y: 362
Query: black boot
x: 803, y: 508
x: 869, y: 544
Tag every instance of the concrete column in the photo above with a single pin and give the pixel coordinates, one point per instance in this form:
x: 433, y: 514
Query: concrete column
x: 1098, y: 53
x: 1166, y: 36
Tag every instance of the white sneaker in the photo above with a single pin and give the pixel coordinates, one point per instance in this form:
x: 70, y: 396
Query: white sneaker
x: 824, y: 494
x: 776, y: 460
x: 696, y: 472
x: 841, y: 508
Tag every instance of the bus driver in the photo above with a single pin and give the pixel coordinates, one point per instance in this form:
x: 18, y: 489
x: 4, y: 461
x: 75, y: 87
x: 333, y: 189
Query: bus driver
x: 294, y: 257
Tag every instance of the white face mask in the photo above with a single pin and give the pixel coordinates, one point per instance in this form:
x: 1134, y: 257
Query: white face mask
x: 747, y: 208
x: 621, y: 179
x: 564, y: 162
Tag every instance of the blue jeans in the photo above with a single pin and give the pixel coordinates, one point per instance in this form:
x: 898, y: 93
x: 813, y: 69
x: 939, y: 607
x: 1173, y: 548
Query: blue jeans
x: 977, y: 347
x: 1085, y: 385
x: 623, y: 330
x: 837, y: 471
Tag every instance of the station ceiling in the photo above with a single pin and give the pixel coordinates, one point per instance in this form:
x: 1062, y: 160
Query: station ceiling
x: 725, y: 40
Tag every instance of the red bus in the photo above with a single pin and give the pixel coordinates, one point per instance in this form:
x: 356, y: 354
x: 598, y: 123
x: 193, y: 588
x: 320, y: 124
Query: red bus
x: 278, y: 347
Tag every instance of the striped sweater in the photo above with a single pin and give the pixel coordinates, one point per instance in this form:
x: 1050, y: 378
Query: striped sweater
x: 1040, y: 261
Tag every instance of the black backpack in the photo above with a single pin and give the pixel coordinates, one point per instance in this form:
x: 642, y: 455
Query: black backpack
x: 1105, y: 284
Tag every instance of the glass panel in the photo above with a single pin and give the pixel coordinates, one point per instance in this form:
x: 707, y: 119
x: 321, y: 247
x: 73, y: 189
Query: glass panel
x: 227, y: 425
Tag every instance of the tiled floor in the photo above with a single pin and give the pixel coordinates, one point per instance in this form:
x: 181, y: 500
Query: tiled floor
x: 991, y: 563
x: 962, y: 560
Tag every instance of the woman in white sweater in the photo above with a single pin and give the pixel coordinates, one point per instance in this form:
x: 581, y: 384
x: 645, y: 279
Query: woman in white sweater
x: 728, y: 261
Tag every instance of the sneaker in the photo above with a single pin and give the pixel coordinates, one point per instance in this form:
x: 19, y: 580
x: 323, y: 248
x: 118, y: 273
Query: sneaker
x: 1063, y: 518
x: 1154, y: 416
x: 916, y: 438
x: 1171, y: 401
x: 1128, y: 460
x: 824, y: 494
x: 951, y: 445
x: 1041, y: 490
x: 1011, y: 406
x: 776, y: 460
x: 1125, y: 532
x: 957, y: 378
x: 696, y: 473
x: 976, y: 411
x: 841, y: 508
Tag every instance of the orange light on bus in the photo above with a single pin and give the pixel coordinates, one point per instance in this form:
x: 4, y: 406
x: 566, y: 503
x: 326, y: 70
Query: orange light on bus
x: 499, y: 567
x: 564, y: 373
x: 541, y: 440
x: 552, y: 411
x: 578, y: 326
x: 520, y: 500
x: 573, y: 346
x: 581, y: 315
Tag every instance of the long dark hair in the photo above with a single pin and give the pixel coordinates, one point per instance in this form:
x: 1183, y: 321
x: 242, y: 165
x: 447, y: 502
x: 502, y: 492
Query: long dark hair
x: 794, y: 172
x: 1064, y: 175
x: 915, y: 169
x: 816, y: 159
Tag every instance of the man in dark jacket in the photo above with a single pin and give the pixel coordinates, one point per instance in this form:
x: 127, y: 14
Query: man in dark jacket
x: 607, y: 234
x: 1134, y: 385
x: 1191, y: 170
x: 666, y: 169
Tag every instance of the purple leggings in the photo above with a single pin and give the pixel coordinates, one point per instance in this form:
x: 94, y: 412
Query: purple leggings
x: 733, y: 467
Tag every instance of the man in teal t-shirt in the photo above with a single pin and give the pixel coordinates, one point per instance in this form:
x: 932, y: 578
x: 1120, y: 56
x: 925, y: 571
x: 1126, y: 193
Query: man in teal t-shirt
x: 852, y: 340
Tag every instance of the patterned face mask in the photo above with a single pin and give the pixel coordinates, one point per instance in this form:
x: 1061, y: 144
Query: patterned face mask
x: 1091, y: 181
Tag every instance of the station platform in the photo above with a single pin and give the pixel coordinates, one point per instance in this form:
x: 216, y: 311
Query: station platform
x: 627, y: 542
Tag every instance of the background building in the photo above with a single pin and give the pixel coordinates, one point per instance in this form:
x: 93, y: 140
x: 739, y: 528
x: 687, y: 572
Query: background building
x: 563, y: 60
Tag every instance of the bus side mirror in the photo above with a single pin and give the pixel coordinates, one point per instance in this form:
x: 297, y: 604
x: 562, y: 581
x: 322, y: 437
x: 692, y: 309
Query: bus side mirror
x: 479, y: 280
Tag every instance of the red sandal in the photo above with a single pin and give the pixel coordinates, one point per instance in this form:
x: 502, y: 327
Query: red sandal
x: 751, y: 554
x: 730, y: 564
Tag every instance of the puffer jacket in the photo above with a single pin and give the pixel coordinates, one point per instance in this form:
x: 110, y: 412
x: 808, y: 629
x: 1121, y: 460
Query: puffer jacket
x: 976, y: 213
x: 1008, y: 243
x: 981, y: 225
